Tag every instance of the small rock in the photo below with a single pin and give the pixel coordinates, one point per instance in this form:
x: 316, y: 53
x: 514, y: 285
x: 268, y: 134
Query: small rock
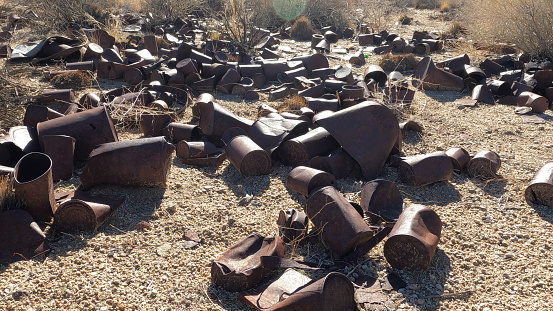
x: 144, y: 225
x: 163, y: 250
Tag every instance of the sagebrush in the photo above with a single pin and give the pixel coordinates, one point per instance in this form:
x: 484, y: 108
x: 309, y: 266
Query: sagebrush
x: 526, y: 23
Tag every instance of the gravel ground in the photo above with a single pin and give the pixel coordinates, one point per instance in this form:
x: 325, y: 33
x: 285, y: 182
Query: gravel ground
x: 493, y: 254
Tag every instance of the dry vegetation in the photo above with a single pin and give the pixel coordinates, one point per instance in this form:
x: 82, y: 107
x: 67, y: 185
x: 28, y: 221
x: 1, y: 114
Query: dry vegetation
x: 302, y: 29
x: 526, y: 23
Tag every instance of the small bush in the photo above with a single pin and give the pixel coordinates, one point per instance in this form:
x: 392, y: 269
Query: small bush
x: 58, y: 14
x: 426, y: 4
x: 169, y: 10
x: 323, y: 13
x: 526, y: 23
x: 302, y: 29
x: 401, y: 62
x: 445, y: 7
x: 456, y: 31
x: 293, y: 103
x: 378, y: 15
x: 72, y: 80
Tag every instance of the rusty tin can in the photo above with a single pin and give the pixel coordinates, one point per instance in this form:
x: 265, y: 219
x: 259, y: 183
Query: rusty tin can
x: 414, y: 238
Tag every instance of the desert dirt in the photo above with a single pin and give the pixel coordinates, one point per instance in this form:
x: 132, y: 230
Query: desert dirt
x: 494, y: 251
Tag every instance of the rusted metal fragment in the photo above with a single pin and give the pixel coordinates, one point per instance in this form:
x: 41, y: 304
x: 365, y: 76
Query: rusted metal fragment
x: 266, y: 296
x: 22, y: 238
x: 90, y: 128
x: 427, y: 75
x: 139, y: 162
x: 333, y: 292
x: 414, y: 238
x: 270, y: 133
x: 371, y: 140
x: 61, y: 149
x: 34, y: 185
x: 425, y: 169
x: 81, y: 211
x: 239, y: 268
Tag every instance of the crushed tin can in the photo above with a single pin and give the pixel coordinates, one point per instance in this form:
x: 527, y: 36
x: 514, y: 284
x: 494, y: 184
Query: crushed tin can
x: 270, y: 133
x: 371, y: 140
x: 338, y: 163
x: 239, y: 267
x: 342, y: 227
x: 35, y: 114
x: 538, y: 103
x: 215, y: 120
x: 414, y: 238
x: 176, y: 132
x: 80, y: 211
x: 90, y: 128
x: 332, y: 292
x: 292, y: 225
x: 427, y: 75
x: 267, y: 295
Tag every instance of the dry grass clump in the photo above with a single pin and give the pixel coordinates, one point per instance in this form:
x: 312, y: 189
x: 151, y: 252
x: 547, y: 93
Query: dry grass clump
x: 58, y: 14
x: 169, y: 10
x: 379, y: 15
x: 456, y: 31
x: 292, y: 103
x: 445, y: 7
x: 302, y: 29
x: 323, y: 13
x: 72, y: 80
x: 426, y: 4
x: 7, y: 196
x: 240, y: 19
x: 526, y: 23
x: 162, y: 43
x: 400, y: 62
